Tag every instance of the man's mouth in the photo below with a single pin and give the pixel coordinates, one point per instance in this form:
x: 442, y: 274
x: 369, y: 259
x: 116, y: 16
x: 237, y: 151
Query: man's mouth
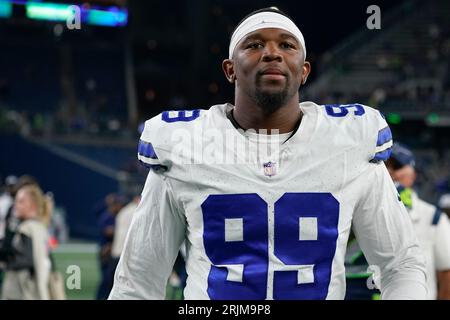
x: 272, y: 74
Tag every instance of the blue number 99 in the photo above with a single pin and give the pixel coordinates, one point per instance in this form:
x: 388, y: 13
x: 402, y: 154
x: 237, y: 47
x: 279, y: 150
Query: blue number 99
x: 236, y: 241
x: 235, y: 229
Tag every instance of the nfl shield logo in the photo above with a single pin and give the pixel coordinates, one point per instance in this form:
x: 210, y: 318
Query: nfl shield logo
x: 270, y: 168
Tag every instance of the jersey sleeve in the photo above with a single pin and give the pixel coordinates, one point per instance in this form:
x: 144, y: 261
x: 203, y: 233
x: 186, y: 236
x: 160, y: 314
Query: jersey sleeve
x: 385, y: 233
x: 167, y: 139
x: 382, y: 137
x: 149, y: 144
x: 362, y: 126
x: 442, y: 243
x: 152, y: 244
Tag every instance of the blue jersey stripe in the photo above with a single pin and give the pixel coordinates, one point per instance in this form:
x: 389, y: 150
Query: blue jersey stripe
x: 437, y: 215
x: 146, y: 149
x: 153, y: 166
x: 382, y: 155
x: 384, y: 135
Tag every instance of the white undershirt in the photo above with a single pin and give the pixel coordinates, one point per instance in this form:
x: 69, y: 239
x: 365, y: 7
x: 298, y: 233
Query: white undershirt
x: 267, y: 138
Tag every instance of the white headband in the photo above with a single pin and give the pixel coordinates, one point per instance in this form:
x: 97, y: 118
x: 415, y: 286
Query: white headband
x: 266, y: 19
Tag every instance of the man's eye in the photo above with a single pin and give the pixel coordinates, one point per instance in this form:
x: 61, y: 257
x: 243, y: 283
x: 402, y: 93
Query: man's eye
x: 287, y: 45
x: 254, y: 45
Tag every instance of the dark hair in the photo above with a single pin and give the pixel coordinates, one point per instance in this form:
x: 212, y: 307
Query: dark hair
x: 268, y: 9
x: 394, y: 163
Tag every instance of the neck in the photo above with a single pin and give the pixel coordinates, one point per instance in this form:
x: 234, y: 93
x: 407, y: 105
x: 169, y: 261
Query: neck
x: 251, y: 116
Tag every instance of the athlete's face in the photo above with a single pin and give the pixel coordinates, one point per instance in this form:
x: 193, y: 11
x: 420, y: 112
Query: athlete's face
x: 268, y: 66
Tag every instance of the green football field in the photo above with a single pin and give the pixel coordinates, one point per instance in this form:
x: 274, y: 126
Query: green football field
x: 84, y: 256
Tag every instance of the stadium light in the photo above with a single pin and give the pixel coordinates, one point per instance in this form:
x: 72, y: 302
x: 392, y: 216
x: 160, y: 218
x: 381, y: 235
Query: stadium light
x: 48, y: 11
x: 5, y: 9
x: 98, y: 16
x: 112, y: 17
x: 433, y: 118
x: 394, y: 118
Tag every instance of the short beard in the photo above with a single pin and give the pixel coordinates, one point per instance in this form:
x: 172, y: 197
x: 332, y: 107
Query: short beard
x: 271, y: 102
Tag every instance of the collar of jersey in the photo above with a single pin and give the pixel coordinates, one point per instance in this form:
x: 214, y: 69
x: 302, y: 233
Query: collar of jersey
x: 302, y: 132
x: 267, y: 138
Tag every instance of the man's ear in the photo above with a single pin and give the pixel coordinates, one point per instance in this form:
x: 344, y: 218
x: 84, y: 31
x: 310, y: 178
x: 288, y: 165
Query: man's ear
x: 228, y: 70
x: 305, y: 72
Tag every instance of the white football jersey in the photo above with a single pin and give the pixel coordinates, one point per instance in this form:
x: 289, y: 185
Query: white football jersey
x: 267, y: 220
x: 433, y: 232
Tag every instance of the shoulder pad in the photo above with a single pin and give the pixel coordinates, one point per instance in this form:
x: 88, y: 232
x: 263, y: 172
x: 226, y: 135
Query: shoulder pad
x: 155, y: 141
x: 371, y: 127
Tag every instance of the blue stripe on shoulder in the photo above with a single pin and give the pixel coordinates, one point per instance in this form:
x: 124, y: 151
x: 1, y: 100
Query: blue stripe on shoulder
x: 382, y: 155
x: 146, y: 149
x: 437, y: 215
x: 384, y: 135
x: 153, y: 166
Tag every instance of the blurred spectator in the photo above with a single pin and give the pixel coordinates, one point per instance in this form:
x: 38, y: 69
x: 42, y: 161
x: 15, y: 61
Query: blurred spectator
x: 8, y: 221
x: 6, y: 202
x: 27, y: 263
x: 6, y: 207
x: 123, y: 222
x: 432, y: 228
x: 106, y: 224
x: 57, y: 225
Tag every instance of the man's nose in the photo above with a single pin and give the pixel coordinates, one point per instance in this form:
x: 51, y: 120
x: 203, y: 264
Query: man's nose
x: 272, y: 52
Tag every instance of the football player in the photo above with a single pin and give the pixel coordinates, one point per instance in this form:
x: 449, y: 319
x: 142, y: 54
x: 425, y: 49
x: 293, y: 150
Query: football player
x: 264, y: 191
